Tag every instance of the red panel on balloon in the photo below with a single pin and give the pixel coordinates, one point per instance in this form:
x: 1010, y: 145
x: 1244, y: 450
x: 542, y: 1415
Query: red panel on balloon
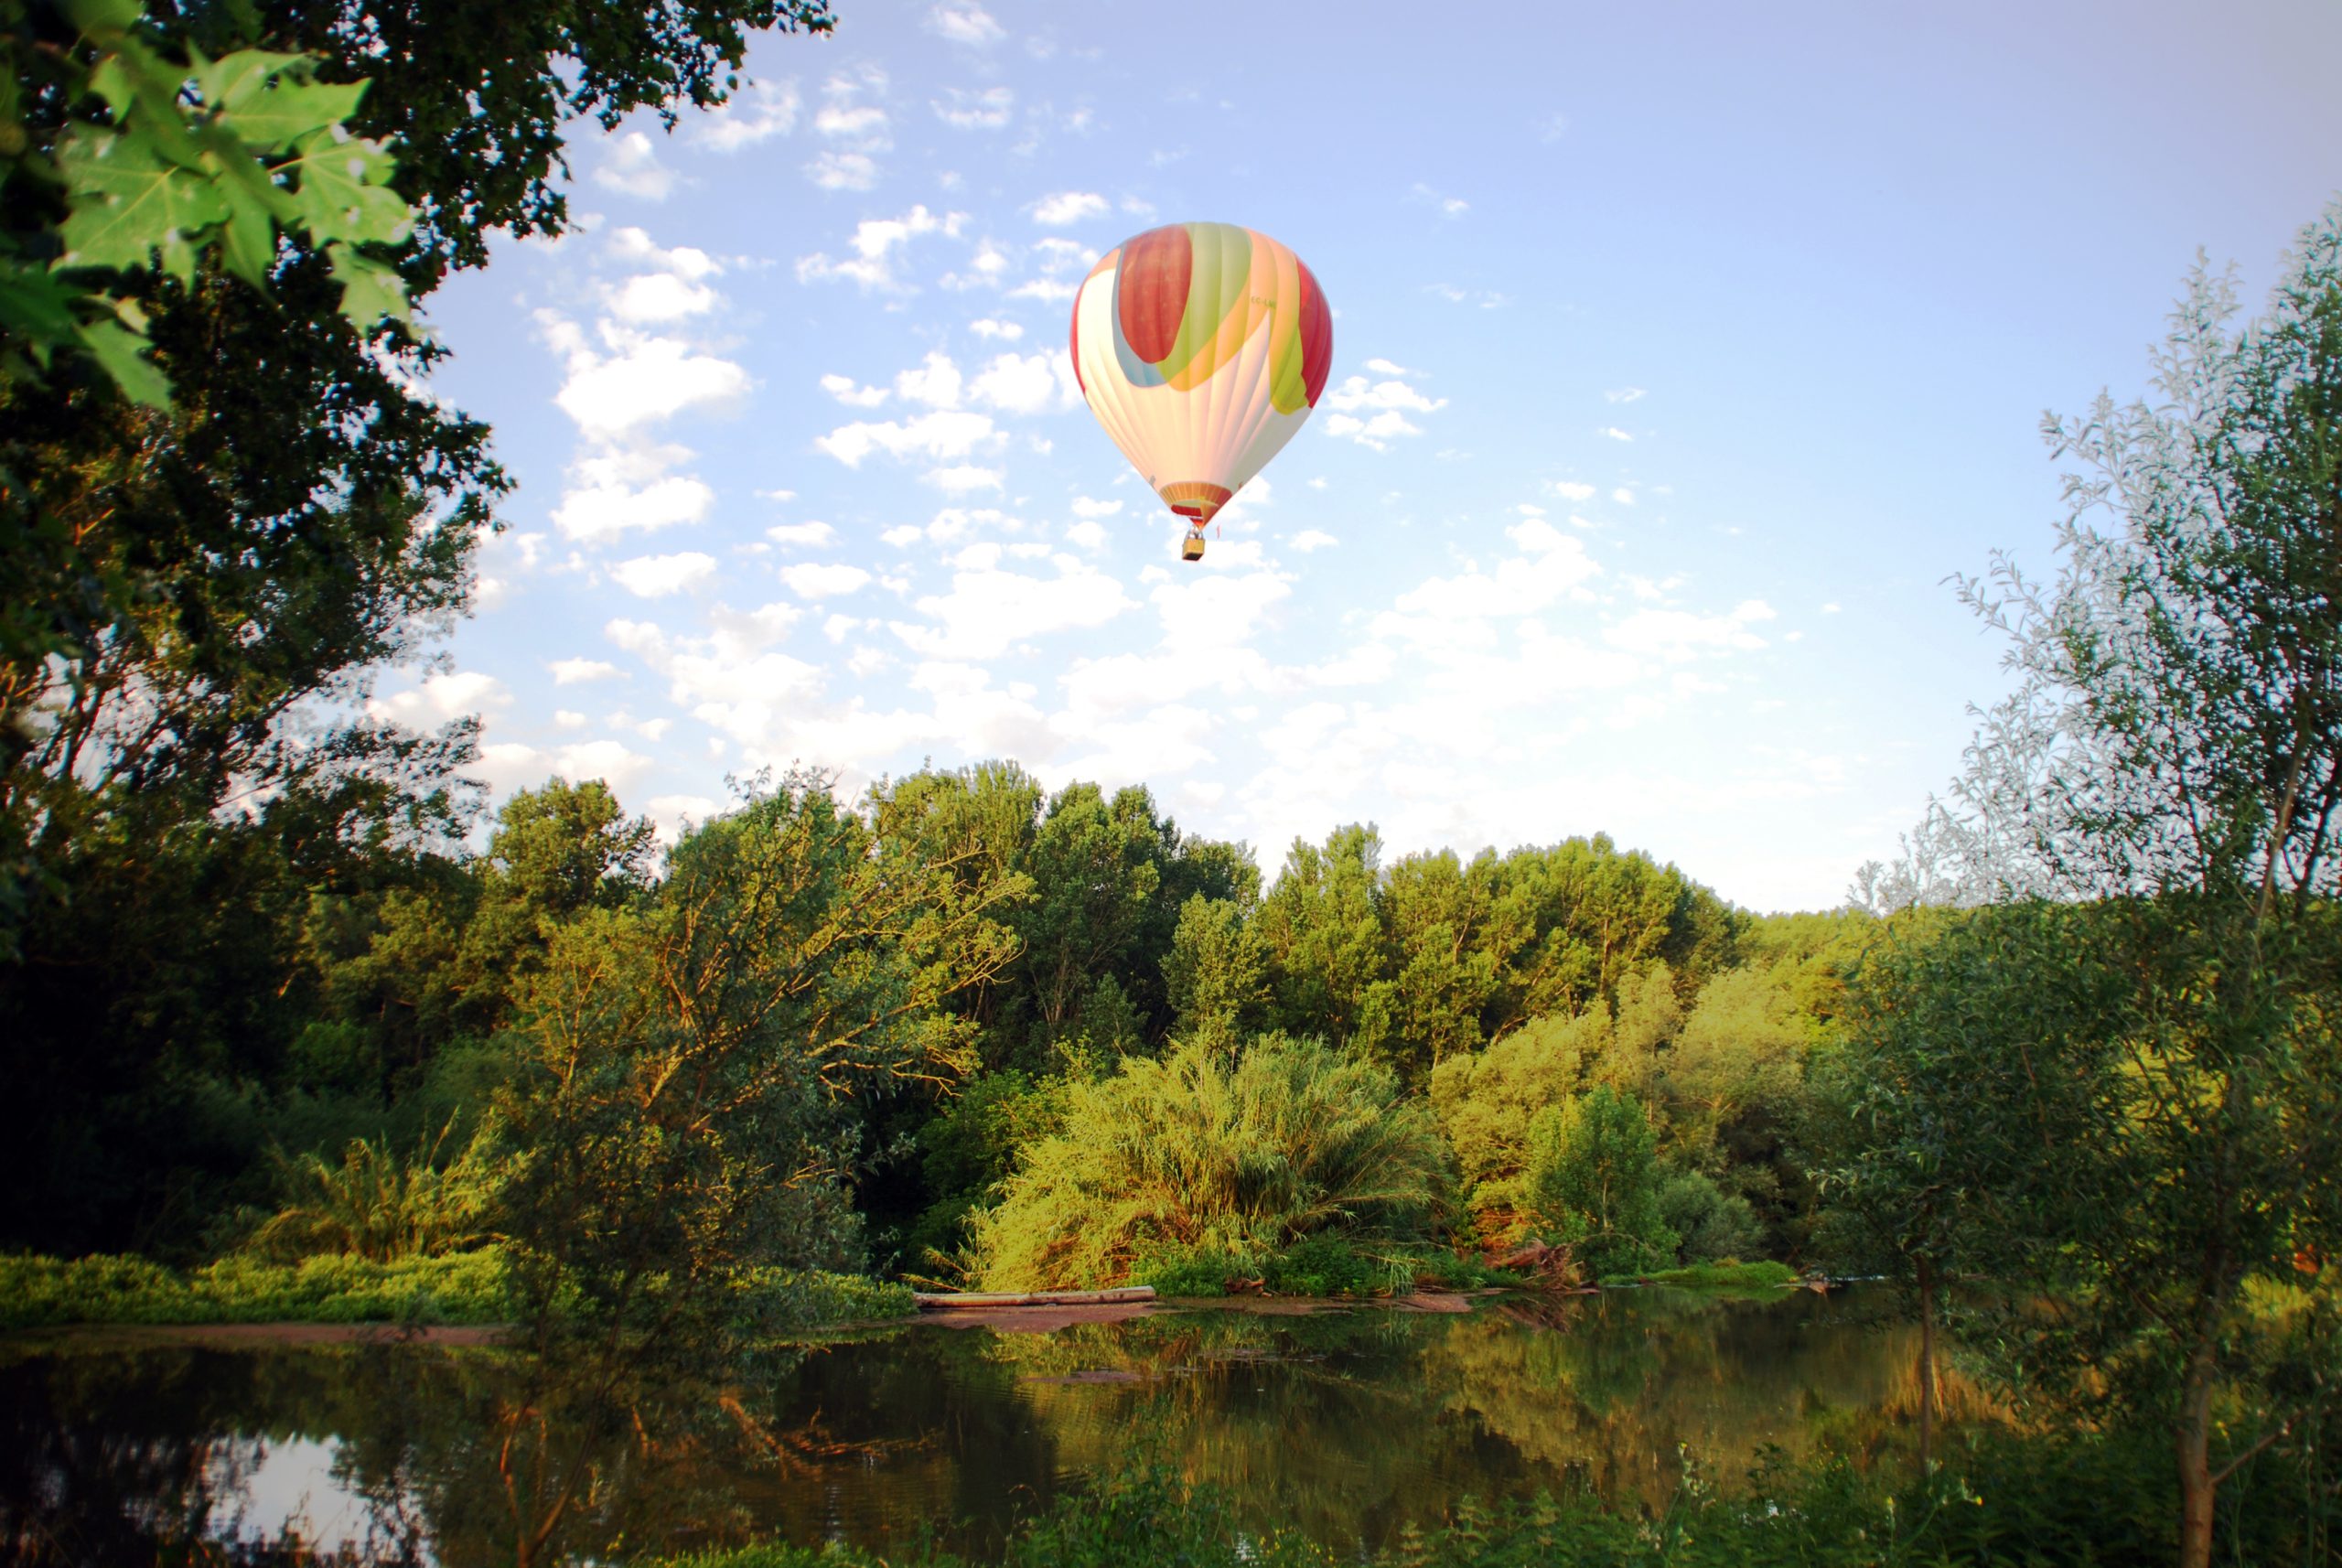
x: 1151, y: 290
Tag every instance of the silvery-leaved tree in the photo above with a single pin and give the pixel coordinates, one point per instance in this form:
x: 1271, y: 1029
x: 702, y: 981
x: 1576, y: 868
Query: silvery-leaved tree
x: 2146, y: 829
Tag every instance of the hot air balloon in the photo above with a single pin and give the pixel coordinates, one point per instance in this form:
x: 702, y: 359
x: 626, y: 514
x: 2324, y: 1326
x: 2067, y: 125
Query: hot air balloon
x: 1201, y: 348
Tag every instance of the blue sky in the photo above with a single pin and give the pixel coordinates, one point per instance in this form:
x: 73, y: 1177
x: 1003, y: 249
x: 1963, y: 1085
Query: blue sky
x: 1680, y: 353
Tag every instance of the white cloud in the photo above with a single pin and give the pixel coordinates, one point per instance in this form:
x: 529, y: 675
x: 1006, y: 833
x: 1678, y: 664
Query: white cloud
x: 1377, y: 433
x: 1086, y: 533
x: 1060, y: 254
x: 863, y: 122
x: 964, y: 478
x: 632, y: 168
x: 964, y: 22
x: 844, y: 389
x: 943, y: 433
x: 823, y: 581
x: 844, y: 171
x: 1090, y: 506
x: 1385, y: 367
x: 606, y: 506
x: 1623, y: 495
x: 1069, y: 207
x: 510, y: 767
x: 1048, y: 290
x: 902, y: 535
x: 1310, y: 539
x: 685, y: 261
x: 963, y: 110
x: 1007, y: 331
x: 660, y: 297
x: 651, y: 379
x: 1613, y: 433
x: 1393, y: 393
x: 1451, y: 609
x: 1486, y: 299
x: 676, y: 814
x: 1623, y: 394
x: 756, y: 112
x: 934, y: 380
x: 1026, y: 384
x: 802, y: 533
x: 571, y: 672
x: 987, y: 611
x: 1449, y: 205
x: 655, y: 576
x: 450, y: 694
x: 1679, y: 634
x: 876, y: 241
x: 1570, y: 489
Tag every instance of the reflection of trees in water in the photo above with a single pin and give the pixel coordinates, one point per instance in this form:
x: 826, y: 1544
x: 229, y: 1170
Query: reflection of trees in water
x: 1319, y: 1423
x: 1618, y: 1397
x: 124, y: 1458
x: 1343, y: 1425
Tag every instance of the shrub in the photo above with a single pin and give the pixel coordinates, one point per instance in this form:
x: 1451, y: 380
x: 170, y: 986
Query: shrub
x: 1189, y: 1271
x: 782, y: 1301
x: 1241, y: 1157
x: 1322, y: 1265
x: 1710, y: 1224
x: 379, y: 1206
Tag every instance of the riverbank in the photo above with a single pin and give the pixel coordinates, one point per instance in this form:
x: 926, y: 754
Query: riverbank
x: 459, y: 1299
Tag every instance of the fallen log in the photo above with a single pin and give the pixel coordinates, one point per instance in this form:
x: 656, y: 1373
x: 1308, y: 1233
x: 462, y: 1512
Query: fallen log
x: 970, y: 1299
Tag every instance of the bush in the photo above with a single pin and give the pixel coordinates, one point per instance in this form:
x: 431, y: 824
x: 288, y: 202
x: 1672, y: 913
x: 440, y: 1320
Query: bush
x: 783, y: 1301
x: 1243, y: 1157
x: 1189, y: 1271
x: 1324, y: 1266
x: 376, y: 1205
x: 1712, y: 1225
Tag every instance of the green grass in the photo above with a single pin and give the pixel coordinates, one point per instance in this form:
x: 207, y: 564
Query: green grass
x: 1315, y: 1266
x: 457, y: 1288
x: 44, y: 1293
x: 1765, y: 1275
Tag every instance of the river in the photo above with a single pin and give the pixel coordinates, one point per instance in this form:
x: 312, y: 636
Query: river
x: 1345, y: 1422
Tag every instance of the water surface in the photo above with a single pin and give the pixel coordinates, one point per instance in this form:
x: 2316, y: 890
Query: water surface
x: 1344, y: 1424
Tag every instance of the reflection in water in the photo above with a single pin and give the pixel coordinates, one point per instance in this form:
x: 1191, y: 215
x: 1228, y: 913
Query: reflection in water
x: 1346, y: 1424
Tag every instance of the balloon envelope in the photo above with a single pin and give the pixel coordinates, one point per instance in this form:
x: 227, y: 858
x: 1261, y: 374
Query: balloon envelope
x: 1201, y: 349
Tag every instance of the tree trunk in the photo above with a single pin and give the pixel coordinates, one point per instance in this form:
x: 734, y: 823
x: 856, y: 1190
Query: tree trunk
x: 1927, y: 1362
x: 2196, y: 1485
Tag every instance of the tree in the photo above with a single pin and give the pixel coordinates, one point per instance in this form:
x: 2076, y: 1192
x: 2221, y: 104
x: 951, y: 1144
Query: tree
x: 1216, y: 974
x: 193, y: 156
x: 193, y: 602
x: 1323, y: 935
x: 674, y: 1114
x: 2171, y: 762
x: 1488, y: 1102
x: 1594, y: 1183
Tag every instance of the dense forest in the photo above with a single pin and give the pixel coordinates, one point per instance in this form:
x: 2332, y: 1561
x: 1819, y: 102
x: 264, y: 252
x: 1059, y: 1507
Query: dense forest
x: 975, y: 976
